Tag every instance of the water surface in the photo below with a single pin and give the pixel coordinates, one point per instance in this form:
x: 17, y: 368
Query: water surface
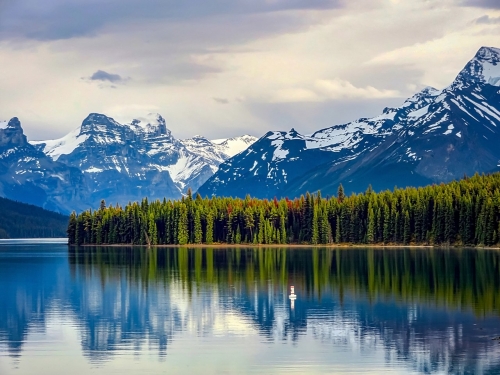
x: 227, y: 311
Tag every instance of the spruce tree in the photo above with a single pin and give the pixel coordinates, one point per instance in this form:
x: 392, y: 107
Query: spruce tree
x: 198, y: 233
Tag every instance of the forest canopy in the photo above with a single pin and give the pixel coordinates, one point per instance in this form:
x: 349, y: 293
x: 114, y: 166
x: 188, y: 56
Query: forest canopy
x: 464, y: 212
x: 20, y: 220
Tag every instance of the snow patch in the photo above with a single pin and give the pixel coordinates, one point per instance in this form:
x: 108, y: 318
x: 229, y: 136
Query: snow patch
x: 279, y: 153
x: 484, y: 109
x: 233, y: 146
x: 419, y: 112
x: 93, y: 170
x: 62, y: 146
x: 254, y: 165
x: 450, y: 130
x: 491, y: 73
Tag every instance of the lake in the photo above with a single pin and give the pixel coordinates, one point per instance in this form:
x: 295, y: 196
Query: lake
x: 121, y: 310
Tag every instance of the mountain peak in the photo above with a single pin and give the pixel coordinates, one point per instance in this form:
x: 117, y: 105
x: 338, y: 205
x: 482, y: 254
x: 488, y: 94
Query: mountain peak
x: 490, y: 54
x: 14, y: 123
x: 11, y: 133
x: 97, y: 122
x: 483, y: 68
x: 152, y: 123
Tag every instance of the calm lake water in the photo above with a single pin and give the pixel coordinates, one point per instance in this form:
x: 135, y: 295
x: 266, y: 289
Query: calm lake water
x: 227, y: 311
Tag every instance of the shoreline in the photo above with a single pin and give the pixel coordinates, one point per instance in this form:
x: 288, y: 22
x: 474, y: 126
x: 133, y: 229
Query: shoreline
x: 296, y: 246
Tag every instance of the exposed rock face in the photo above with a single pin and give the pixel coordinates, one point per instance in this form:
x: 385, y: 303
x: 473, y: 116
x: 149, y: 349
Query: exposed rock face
x: 126, y: 162
x: 28, y: 175
x: 11, y: 134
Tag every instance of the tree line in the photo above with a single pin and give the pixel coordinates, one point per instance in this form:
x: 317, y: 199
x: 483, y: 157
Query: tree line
x: 21, y: 220
x: 464, y: 212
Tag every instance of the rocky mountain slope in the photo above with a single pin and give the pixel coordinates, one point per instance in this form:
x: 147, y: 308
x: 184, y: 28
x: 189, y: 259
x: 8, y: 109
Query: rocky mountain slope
x: 435, y: 136
x: 126, y: 162
x: 28, y: 175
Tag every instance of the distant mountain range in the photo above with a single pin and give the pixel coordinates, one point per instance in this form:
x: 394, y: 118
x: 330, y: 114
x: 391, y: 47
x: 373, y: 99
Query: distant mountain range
x: 103, y: 159
x: 435, y: 136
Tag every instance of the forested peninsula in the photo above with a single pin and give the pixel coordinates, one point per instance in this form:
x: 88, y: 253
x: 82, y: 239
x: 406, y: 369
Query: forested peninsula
x: 20, y: 220
x: 464, y: 212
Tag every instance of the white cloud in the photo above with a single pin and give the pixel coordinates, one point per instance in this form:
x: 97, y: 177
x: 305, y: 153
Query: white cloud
x: 363, y: 53
x: 338, y: 89
x: 324, y: 89
x: 441, y: 59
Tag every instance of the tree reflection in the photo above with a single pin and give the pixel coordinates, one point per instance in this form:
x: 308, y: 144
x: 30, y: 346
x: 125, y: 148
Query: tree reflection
x: 420, y: 303
x: 465, y: 279
x: 436, y: 310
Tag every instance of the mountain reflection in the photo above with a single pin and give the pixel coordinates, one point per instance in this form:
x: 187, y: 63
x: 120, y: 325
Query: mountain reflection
x: 435, y: 310
x: 413, y: 301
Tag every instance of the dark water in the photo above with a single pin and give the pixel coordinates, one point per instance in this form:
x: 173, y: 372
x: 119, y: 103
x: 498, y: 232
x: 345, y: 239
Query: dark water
x: 227, y: 311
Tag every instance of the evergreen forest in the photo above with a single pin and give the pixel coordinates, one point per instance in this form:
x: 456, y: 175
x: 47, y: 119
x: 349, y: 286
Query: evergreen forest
x: 20, y: 220
x: 464, y: 212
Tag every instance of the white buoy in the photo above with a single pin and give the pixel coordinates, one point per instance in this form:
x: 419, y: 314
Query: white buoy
x: 292, y: 296
x: 292, y: 293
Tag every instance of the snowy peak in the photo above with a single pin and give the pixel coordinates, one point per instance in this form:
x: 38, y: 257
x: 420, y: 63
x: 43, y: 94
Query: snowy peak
x: 127, y: 161
x: 483, y: 68
x: 488, y: 54
x: 13, y: 123
x: 202, y: 147
x: 152, y: 124
x: 197, y: 140
x: 11, y: 133
x: 423, y: 97
x: 235, y: 145
x: 96, y: 123
x: 433, y: 136
x: 62, y: 146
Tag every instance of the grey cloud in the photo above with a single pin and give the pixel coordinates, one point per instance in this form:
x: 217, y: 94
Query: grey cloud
x: 488, y: 20
x: 221, y: 100
x: 492, y: 4
x: 172, y: 68
x: 60, y: 19
x: 103, y: 76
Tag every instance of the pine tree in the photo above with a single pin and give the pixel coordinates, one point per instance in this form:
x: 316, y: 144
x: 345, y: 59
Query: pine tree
x: 152, y: 230
x: 72, y: 229
x: 325, y: 227
x: 407, y: 229
x: 198, y: 233
x: 209, y: 235
x: 262, y: 226
x: 338, y: 230
x: 371, y: 226
x: 315, y: 231
x: 283, y: 229
x: 340, y: 193
x: 182, y: 225
x: 237, y: 236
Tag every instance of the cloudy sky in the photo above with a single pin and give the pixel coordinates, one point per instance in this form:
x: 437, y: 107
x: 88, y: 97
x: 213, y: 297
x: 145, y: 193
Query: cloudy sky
x: 226, y: 67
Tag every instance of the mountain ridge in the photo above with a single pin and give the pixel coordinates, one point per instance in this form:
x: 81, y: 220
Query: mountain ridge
x: 127, y: 161
x: 456, y: 125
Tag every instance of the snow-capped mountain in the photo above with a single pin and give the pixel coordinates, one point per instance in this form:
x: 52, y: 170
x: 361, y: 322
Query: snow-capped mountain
x: 435, y: 136
x: 28, y: 175
x: 126, y: 162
